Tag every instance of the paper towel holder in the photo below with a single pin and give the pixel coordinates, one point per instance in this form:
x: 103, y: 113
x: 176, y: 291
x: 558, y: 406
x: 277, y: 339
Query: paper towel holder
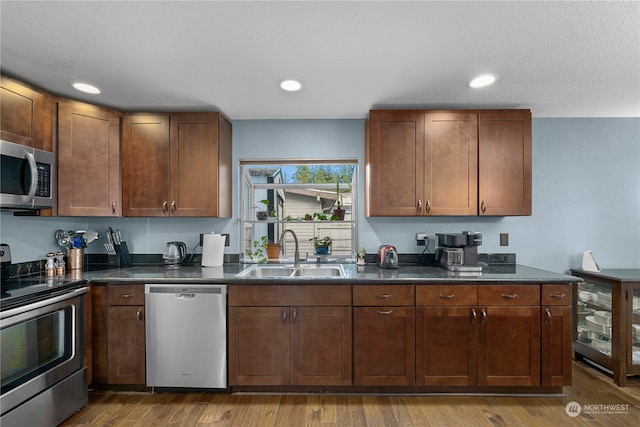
x: 589, y: 262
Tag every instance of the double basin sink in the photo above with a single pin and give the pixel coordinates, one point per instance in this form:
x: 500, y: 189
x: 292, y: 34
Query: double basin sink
x: 292, y: 271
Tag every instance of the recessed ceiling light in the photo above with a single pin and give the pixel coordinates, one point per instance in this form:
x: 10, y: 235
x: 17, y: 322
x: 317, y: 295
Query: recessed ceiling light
x: 290, y: 85
x: 86, y: 88
x: 483, y: 80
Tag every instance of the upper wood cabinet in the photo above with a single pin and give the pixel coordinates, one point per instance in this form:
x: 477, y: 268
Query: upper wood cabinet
x: 88, y: 160
x: 504, y: 159
x: 437, y: 163
x: 26, y: 115
x: 176, y: 165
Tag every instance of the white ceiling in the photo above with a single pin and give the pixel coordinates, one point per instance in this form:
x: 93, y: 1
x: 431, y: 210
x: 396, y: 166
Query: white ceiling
x: 560, y: 59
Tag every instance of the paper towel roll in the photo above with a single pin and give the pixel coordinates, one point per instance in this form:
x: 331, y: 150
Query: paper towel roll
x: 213, y: 250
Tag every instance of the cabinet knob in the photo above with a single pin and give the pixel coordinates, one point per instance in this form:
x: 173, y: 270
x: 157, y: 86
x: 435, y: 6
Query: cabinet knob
x: 419, y: 207
x: 428, y: 206
x: 173, y: 207
x: 483, y: 206
x: 113, y: 208
x: 294, y: 315
x: 165, y: 207
x: 139, y: 316
x: 547, y: 316
x: 483, y: 317
x: 284, y: 316
x: 474, y: 316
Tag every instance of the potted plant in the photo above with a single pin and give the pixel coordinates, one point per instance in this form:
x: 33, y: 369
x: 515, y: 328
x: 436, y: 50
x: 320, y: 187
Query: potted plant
x: 268, y: 212
x: 258, y: 251
x: 322, y: 246
x: 273, y: 250
x: 338, y: 213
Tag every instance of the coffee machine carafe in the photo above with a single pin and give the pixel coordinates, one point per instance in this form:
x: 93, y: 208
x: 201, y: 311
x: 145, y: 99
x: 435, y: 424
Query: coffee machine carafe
x: 459, y: 251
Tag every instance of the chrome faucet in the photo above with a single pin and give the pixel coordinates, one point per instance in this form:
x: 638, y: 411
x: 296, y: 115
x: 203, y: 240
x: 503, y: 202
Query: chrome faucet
x: 296, y: 254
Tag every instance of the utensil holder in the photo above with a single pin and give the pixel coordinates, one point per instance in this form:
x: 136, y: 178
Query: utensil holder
x: 75, y: 258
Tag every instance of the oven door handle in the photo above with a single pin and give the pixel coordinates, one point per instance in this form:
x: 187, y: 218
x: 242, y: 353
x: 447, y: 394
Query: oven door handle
x: 33, y: 306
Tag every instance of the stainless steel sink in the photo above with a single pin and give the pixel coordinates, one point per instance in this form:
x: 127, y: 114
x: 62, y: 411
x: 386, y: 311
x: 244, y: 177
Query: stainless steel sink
x: 322, y: 271
x: 289, y: 271
x: 267, y: 271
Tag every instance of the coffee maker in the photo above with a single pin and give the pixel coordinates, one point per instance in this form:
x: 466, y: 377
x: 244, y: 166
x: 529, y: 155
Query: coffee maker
x: 459, y: 251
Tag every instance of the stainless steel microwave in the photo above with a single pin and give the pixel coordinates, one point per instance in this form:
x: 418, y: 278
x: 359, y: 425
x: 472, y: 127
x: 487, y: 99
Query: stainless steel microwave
x: 27, y: 177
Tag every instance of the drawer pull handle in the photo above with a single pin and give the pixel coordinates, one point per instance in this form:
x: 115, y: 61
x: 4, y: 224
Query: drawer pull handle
x: 483, y: 317
x: 387, y: 312
x: 294, y: 315
x: 284, y: 316
x: 126, y: 295
x: 447, y: 296
x: 165, y: 207
x: 419, y: 207
x: 383, y: 296
x: 509, y: 296
x: 474, y: 316
x: 557, y: 295
x: 547, y: 316
x: 139, y: 316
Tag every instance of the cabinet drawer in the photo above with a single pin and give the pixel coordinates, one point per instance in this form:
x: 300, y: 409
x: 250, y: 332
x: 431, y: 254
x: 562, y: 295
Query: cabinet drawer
x: 383, y: 295
x: 126, y: 294
x: 446, y: 295
x: 556, y: 294
x: 289, y: 295
x: 509, y: 295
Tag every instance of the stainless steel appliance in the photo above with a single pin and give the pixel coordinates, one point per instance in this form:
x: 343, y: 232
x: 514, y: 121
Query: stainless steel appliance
x: 459, y: 251
x: 387, y: 256
x: 42, y: 347
x: 174, y: 254
x: 27, y: 177
x: 186, y: 327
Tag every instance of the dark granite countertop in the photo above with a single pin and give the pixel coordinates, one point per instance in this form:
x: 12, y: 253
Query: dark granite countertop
x: 370, y: 273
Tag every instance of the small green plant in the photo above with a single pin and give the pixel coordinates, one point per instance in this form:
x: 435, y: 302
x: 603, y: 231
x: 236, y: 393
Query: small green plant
x: 259, y: 250
x: 270, y: 210
x: 361, y: 253
x: 321, y: 241
x: 320, y: 216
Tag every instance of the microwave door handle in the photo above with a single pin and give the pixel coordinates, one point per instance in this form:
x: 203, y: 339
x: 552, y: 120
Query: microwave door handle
x: 34, y: 177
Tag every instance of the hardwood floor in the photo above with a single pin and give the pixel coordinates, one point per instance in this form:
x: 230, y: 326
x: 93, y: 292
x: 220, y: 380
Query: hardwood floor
x: 591, y: 389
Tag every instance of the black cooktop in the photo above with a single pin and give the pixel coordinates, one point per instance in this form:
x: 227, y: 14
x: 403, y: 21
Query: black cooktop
x: 22, y: 291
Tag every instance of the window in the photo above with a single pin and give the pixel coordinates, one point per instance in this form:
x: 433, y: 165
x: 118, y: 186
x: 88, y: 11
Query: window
x: 303, y: 197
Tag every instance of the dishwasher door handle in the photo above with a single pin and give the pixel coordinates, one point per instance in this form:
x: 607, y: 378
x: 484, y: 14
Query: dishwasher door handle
x: 185, y: 296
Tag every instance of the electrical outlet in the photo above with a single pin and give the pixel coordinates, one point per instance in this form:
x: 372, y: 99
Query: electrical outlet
x: 201, y: 238
x: 421, y: 238
x: 504, y: 239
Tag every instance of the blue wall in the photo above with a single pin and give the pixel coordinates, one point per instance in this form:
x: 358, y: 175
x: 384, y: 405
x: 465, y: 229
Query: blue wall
x: 586, y: 196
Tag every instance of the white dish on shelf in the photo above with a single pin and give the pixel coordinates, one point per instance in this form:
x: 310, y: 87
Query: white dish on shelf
x: 604, y: 297
x: 587, y: 296
x: 602, y: 318
x: 592, y: 325
x: 602, y: 346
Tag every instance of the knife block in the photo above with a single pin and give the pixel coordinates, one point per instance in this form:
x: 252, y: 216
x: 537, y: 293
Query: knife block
x: 121, y: 257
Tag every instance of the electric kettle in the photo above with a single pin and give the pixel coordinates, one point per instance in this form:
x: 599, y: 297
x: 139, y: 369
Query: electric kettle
x: 174, y: 254
x: 387, y: 256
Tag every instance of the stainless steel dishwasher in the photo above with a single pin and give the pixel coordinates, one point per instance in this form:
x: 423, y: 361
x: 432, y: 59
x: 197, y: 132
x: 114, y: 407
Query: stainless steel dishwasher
x: 186, y: 327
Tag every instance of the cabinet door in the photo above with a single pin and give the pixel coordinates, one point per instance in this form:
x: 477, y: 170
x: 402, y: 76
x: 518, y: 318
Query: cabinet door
x: 384, y: 345
x: 504, y: 153
x: 394, y: 163
x: 145, y: 165
x: 26, y: 115
x: 557, y: 349
x: 321, y: 346
x: 446, y: 346
x: 258, y: 345
x: 194, y: 164
x: 88, y: 160
x: 126, y: 348
x: 451, y: 163
x: 509, y: 346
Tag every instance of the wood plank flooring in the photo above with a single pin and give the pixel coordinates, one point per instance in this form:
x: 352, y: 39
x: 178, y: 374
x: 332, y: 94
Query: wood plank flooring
x: 591, y: 389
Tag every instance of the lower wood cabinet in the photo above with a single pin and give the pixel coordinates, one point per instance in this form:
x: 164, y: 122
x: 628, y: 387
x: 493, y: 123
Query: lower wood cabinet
x: 126, y: 335
x: 557, y: 334
x: 492, y: 342
x: 384, y: 335
x: 307, y: 342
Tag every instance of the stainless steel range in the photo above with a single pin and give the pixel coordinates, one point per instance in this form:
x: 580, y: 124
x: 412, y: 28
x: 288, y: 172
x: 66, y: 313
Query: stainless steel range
x: 42, y: 348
